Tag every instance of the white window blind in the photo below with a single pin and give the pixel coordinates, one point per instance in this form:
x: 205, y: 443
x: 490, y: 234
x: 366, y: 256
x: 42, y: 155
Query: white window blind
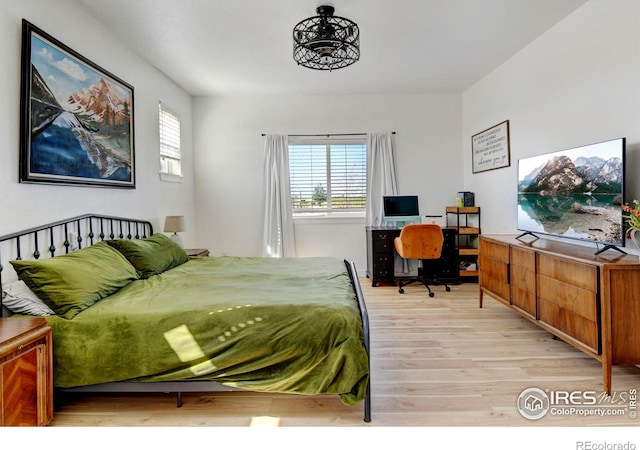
x: 170, y: 152
x: 328, y: 176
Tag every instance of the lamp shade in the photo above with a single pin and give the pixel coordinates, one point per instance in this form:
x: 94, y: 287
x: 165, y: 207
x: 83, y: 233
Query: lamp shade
x: 174, y: 224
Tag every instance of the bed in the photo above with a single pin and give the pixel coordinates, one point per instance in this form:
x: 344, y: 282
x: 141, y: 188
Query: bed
x: 130, y: 311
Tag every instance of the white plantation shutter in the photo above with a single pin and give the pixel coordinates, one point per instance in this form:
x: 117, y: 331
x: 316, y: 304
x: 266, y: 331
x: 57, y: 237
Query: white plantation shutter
x: 348, y: 176
x: 170, y: 153
x: 307, y: 173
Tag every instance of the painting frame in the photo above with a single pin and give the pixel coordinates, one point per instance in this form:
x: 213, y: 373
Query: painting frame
x: 490, y: 148
x: 76, y: 118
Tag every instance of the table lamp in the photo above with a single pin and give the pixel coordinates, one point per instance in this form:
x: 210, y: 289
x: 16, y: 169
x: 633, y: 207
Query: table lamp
x: 174, y: 224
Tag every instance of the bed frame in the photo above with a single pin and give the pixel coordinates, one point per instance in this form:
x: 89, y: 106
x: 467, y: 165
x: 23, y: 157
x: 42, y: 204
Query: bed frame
x: 71, y: 234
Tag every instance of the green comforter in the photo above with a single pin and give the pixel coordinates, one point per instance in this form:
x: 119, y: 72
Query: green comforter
x: 263, y: 324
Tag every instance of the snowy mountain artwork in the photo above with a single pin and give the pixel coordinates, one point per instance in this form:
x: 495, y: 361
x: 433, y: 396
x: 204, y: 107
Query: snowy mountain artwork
x: 77, y: 118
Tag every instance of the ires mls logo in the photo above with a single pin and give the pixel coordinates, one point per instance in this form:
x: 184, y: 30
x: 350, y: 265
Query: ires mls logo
x: 535, y: 403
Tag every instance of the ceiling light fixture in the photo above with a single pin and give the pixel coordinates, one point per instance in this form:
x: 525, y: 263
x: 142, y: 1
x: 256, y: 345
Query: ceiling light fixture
x: 325, y: 41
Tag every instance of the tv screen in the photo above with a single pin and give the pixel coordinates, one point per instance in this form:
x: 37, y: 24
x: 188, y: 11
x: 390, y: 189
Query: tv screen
x: 400, y: 205
x: 575, y: 193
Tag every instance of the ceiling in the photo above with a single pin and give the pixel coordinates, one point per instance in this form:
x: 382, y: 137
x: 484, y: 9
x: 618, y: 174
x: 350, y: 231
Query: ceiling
x: 218, y: 47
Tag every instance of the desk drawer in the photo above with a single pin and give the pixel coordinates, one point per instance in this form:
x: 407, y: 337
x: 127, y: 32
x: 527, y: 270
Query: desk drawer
x: 382, y: 241
x: 383, y: 262
x: 383, y: 273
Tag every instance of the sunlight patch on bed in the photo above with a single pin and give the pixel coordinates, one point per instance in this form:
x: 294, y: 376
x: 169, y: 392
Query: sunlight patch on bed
x: 203, y: 368
x: 184, y: 344
x: 229, y: 309
x: 265, y: 421
x: 235, y: 328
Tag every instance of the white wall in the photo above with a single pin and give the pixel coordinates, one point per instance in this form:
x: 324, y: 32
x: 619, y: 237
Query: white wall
x: 26, y: 205
x: 229, y: 156
x: 577, y: 84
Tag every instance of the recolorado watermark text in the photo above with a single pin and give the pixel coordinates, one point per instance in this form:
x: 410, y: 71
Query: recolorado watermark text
x: 589, y: 445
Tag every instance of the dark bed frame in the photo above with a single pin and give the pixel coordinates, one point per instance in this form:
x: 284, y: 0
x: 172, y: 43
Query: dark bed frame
x: 71, y: 234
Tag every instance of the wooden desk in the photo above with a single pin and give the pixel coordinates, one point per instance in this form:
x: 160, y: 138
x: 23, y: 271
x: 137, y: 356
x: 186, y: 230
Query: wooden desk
x: 381, y: 256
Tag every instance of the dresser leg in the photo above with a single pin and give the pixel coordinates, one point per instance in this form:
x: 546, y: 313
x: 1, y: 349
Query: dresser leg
x: 606, y: 377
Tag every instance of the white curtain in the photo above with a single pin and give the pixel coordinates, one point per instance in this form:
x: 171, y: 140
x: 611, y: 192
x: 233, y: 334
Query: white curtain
x: 381, y: 175
x: 381, y: 182
x: 278, y: 238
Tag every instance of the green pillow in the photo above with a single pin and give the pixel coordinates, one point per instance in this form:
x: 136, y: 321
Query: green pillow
x: 71, y: 283
x: 152, y: 255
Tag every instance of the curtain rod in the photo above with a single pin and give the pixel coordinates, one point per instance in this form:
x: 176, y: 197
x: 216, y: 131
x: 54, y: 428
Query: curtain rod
x: 327, y: 135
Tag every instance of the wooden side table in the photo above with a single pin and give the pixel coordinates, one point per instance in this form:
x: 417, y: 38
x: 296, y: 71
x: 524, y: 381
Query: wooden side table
x: 26, y: 372
x: 197, y: 251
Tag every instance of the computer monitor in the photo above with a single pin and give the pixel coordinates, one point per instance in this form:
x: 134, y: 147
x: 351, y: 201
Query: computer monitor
x: 401, y: 209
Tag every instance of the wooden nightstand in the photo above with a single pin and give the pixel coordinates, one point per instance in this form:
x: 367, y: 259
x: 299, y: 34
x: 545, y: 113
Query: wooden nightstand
x: 197, y: 251
x: 26, y: 372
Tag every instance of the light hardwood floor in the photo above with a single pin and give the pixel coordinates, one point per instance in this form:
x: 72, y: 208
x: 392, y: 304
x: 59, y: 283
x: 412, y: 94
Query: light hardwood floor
x: 438, y: 361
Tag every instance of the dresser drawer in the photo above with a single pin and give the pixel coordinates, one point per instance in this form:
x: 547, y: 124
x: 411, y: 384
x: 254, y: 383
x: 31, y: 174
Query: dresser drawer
x: 570, y: 298
x: 570, y: 323
x: 570, y: 309
x: 523, y: 289
x: 494, y: 275
x: 523, y: 258
x: 578, y: 274
x: 494, y: 249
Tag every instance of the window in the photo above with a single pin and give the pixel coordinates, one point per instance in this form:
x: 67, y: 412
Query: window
x: 170, y: 153
x: 328, y: 176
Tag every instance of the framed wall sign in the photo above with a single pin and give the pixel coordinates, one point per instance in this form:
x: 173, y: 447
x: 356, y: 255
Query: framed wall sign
x: 490, y: 148
x: 76, y: 118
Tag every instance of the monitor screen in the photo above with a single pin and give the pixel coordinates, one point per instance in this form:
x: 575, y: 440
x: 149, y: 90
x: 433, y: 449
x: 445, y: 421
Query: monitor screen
x: 401, y: 205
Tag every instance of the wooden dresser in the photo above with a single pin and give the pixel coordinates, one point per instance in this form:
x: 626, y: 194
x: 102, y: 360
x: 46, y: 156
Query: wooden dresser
x: 590, y: 301
x: 26, y: 374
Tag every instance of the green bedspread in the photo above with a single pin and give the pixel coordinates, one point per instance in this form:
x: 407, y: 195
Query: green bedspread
x: 264, y: 324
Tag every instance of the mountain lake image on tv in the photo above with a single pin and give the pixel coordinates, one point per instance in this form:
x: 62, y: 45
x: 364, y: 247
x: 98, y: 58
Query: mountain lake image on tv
x: 575, y: 193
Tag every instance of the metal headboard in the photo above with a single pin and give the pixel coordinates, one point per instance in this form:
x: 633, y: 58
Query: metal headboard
x: 68, y: 235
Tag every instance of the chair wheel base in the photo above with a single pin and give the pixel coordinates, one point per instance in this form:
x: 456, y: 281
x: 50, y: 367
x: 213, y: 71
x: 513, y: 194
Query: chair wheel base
x: 425, y: 282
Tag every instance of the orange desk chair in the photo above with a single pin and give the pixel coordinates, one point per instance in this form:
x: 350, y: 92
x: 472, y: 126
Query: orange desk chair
x: 420, y: 241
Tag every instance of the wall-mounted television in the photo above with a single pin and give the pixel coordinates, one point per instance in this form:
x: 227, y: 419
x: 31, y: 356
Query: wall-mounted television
x: 400, y: 209
x: 575, y: 193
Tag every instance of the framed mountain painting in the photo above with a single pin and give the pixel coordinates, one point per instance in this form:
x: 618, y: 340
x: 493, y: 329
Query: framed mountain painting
x: 76, y: 118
